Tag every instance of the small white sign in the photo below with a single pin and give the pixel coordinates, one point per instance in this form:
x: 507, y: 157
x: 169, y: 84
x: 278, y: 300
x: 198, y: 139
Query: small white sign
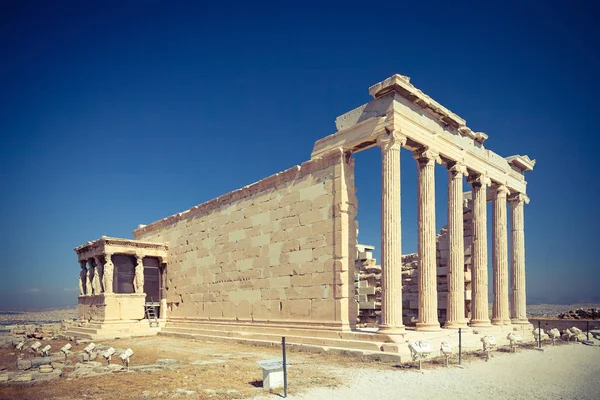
x: 271, y: 365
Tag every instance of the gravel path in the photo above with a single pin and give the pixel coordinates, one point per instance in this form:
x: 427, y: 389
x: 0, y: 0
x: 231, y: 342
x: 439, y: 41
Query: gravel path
x: 561, y: 372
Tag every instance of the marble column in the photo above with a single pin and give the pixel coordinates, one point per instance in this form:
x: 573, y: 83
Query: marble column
x: 427, y: 318
x: 479, y: 303
x: 391, y: 234
x: 83, y: 278
x: 500, y: 312
x: 107, y: 274
x: 455, y: 305
x: 138, y: 279
x: 519, y: 298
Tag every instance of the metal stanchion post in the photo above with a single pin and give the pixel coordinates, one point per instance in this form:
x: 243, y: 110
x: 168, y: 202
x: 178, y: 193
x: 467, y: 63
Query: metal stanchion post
x: 587, y: 328
x: 539, y: 335
x: 284, y: 367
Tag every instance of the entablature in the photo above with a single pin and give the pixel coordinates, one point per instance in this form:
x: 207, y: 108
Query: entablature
x: 425, y: 123
x: 108, y: 245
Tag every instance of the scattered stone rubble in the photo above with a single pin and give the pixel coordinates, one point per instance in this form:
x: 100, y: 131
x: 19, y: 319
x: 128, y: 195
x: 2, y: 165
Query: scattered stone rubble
x: 580, y: 313
x: 31, y: 366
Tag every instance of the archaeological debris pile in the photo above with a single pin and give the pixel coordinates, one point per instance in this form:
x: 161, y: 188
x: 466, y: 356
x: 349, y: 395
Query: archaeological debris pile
x: 580, y: 313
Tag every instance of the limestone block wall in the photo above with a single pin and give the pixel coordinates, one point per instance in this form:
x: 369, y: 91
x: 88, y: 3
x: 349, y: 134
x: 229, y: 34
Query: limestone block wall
x: 278, y: 251
x: 111, y: 307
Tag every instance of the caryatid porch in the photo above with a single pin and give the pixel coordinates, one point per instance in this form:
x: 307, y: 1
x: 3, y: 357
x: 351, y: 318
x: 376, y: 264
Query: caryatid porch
x: 119, y: 277
x: 401, y: 116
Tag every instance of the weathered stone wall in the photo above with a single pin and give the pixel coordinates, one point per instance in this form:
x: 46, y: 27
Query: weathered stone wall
x: 111, y: 307
x: 279, y: 250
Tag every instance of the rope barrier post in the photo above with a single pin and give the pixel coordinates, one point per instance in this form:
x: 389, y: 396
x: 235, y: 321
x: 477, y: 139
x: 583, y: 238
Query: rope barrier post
x: 539, y: 335
x: 284, y: 367
x: 587, y: 328
x: 459, y: 346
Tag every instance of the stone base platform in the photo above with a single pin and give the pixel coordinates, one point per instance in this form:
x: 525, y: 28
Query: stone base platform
x: 361, y: 343
x: 103, y: 330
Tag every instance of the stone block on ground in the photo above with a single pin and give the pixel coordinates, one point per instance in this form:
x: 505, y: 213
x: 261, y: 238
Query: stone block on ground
x: 23, y: 364
x: 44, y: 369
x: 23, y: 378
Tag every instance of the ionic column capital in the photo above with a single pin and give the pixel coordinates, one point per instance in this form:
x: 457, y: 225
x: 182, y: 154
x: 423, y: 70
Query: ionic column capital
x: 425, y: 156
x: 517, y: 199
x: 457, y: 170
x: 392, y: 140
x: 500, y: 191
x: 479, y: 180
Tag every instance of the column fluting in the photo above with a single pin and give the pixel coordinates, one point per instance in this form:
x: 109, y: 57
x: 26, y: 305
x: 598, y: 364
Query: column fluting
x: 519, y: 298
x: 391, y: 234
x: 500, y: 310
x: 427, y: 318
x: 455, y: 305
x: 479, y: 308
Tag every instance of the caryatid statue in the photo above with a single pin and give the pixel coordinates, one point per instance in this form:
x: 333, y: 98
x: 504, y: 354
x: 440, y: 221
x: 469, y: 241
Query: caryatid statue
x: 107, y: 273
x: 99, y: 275
x: 138, y: 280
x: 96, y: 286
x: 82, y: 278
x: 88, y: 281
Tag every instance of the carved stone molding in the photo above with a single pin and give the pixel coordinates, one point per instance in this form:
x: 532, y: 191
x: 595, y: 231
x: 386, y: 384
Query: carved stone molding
x: 391, y: 140
x: 518, y: 198
x: 478, y: 180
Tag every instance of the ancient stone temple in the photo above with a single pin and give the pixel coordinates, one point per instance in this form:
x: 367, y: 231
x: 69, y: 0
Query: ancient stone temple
x: 278, y: 256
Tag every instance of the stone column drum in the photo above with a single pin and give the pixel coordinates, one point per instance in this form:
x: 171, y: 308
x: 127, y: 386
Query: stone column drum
x: 427, y: 318
x: 500, y: 312
x: 455, y: 307
x: 519, y: 298
x: 391, y: 246
x: 479, y: 312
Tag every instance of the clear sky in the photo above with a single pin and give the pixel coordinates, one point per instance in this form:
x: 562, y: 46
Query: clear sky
x: 121, y: 113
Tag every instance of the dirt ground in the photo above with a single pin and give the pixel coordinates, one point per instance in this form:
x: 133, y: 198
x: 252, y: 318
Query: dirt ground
x: 208, y: 370
x: 212, y: 370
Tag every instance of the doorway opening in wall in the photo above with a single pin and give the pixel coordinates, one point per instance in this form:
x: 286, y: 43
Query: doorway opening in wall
x: 124, y: 273
x: 152, y: 282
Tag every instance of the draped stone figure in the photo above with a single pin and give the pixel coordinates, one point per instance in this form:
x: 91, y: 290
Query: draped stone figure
x: 138, y: 280
x: 82, y: 274
x: 107, y: 273
x: 88, y: 281
x: 99, y: 273
x: 96, y: 288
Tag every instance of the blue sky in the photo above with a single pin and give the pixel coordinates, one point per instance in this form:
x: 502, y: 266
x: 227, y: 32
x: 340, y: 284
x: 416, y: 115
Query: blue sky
x: 122, y: 113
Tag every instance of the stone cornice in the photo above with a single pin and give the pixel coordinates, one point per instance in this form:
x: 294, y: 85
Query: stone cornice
x: 109, y: 245
x: 332, y: 158
x: 401, y: 84
x: 523, y: 163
